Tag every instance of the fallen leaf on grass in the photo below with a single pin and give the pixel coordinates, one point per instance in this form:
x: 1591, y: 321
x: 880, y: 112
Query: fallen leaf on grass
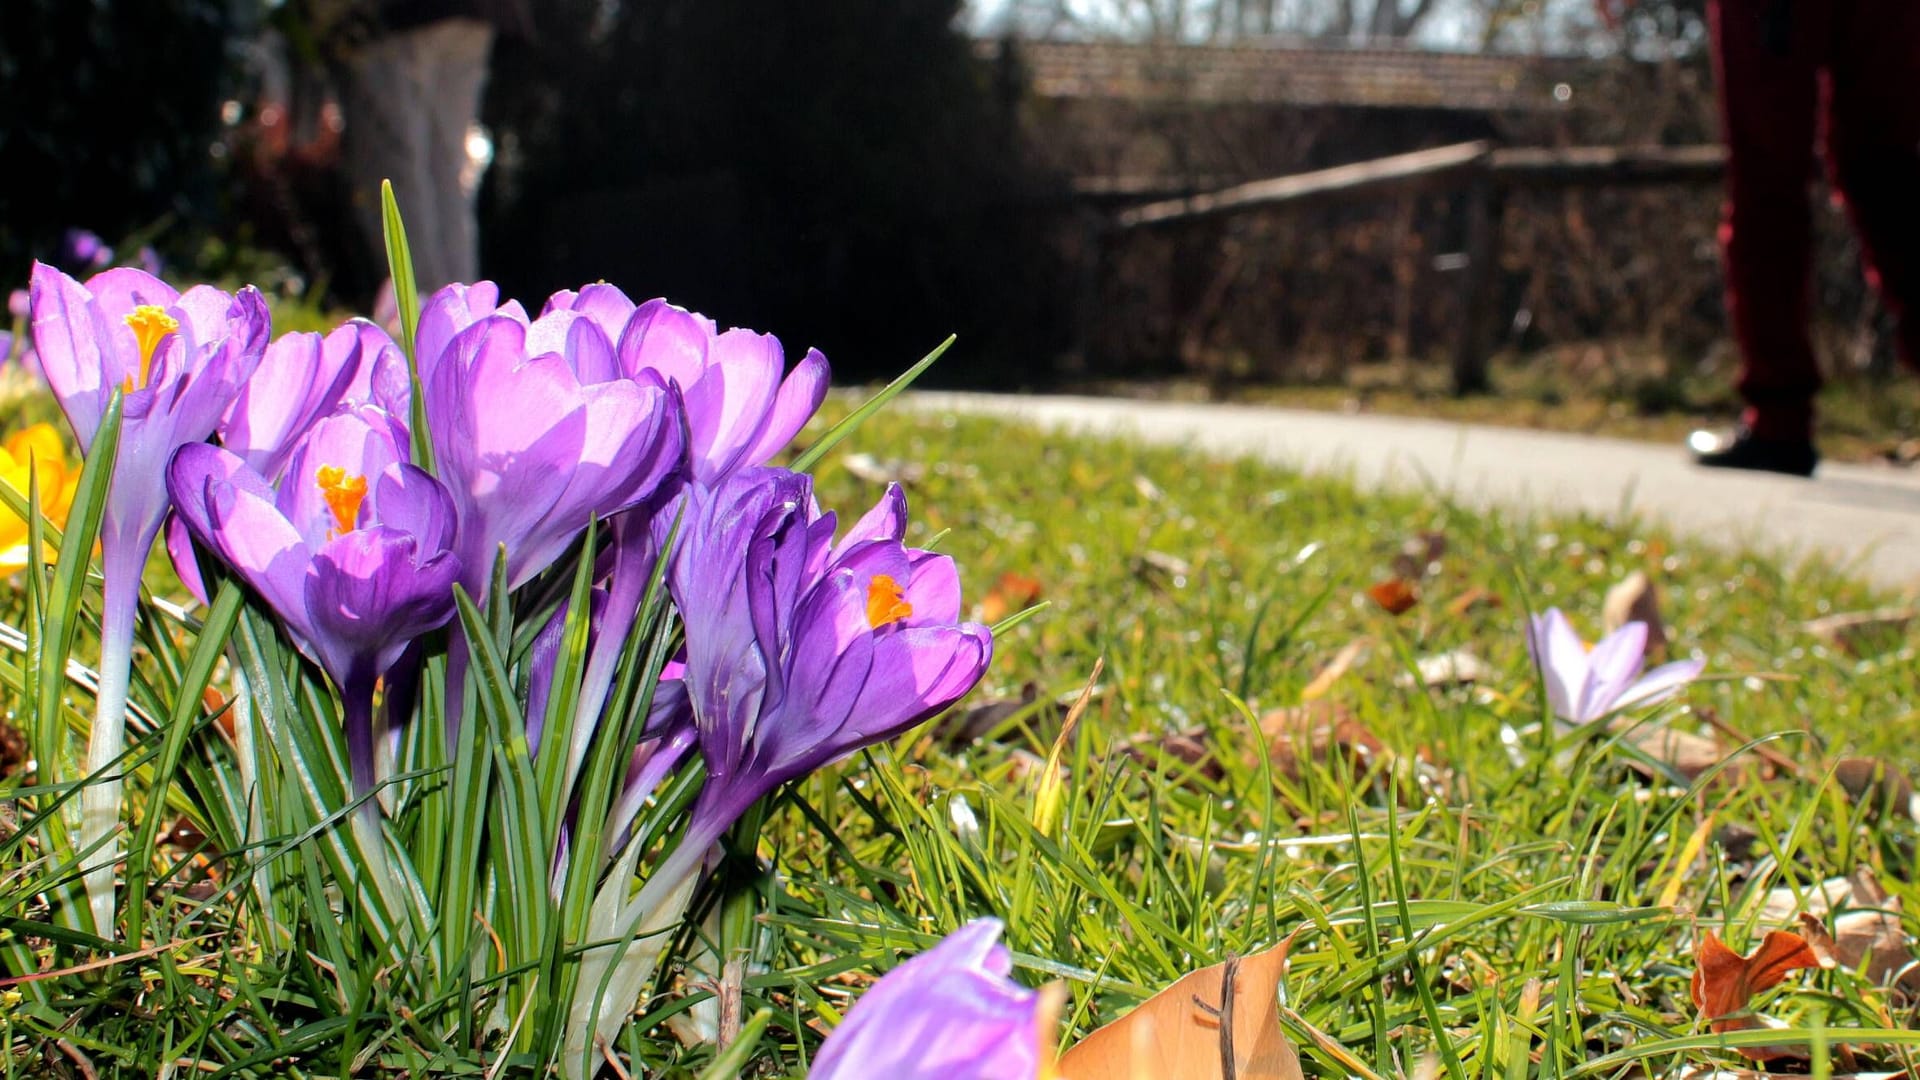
x: 1395, y: 595
x: 1876, y: 784
x: 1867, y: 934
x: 1635, y: 599
x: 978, y: 719
x: 1012, y: 594
x: 1472, y: 600
x: 1420, y: 556
x: 1684, y: 752
x: 1312, y: 734
x: 1724, y: 983
x: 1862, y: 633
x: 1180, y: 1033
x: 1350, y: 654
x: 1162, y: 570
x: 1188, y: 746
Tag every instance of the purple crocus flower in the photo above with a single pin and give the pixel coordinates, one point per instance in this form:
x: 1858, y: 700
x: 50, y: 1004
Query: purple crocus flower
x: 301, y: 378
x: 178, y: 359
x: 352, y: 549
x: 800, y: 651
x: 739, y: 413
x: 1587, y: 685
x: 950, y: 1013
x: 535, y: 430
x: 84, y: 250
x: 739, y: 410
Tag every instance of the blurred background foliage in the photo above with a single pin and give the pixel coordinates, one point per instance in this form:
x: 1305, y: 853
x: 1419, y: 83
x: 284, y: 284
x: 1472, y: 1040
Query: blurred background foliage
x: 866, y: 176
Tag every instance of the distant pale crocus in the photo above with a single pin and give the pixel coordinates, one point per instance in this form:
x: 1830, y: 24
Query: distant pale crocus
x: 951, y: 1013
x: 178, y: 360
x: 352, y: 549
x: 34, y: 453
x: 1588, y: 684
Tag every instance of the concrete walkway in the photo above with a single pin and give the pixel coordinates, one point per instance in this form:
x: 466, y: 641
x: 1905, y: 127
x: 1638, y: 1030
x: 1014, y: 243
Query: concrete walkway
x: 1864, y: 516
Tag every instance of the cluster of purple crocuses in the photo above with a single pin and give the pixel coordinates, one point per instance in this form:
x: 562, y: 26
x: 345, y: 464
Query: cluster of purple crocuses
x: 293, y: 464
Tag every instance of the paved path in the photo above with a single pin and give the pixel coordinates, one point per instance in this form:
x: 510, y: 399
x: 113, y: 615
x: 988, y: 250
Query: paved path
x: 1863, y: 515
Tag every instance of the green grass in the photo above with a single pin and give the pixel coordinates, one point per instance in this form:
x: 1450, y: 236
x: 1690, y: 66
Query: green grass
x: 1504, y: 912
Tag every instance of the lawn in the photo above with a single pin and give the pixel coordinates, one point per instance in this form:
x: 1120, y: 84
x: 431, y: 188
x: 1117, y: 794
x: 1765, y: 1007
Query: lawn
x: 1468, y: 891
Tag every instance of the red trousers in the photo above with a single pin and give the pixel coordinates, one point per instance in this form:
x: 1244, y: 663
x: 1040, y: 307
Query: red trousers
x: 1788, y: 69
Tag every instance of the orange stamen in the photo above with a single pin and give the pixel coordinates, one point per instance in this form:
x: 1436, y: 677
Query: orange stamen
x: 151, y: 325
x: 343, y: 494
x: 886, y: 601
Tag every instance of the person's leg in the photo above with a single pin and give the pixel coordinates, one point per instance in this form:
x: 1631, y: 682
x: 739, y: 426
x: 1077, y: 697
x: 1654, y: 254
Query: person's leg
x: 1873, y: 147
x: 461, y: 51
x: 1768, y: 74
x: 381, y: 90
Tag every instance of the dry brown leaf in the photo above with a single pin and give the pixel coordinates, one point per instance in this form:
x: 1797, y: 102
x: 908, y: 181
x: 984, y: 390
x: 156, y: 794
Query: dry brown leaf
x: 1686, y: 753
x: 1178, y: 1032
x: 1010, y: 595
x: 1188, y: 746
x: 1875, y: 783
x: 1394, y: 595
x: 1313, y: 733
x: 1420, y: 556
x: 1472, y: 600
x: 1867, y: 934
x: 979, y: 719
x: 1350, y: 654
x: 1724, y: 982
x: 1635, y: 599
x: 1863, y: 633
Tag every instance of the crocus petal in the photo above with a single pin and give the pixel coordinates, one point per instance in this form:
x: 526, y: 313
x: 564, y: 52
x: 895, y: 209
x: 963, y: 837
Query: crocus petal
x: 951, y: 1013
x: 79, y: 362
x: 667, y: 340
x: 886, y: 521
x: 799, y: 398
x: 405, y: 497
x: 1660, y: 684
x: 262, y: 547
x: 371, y: 592
x: 1611, y: 668
x: 728, y: 403
x: 361, y: 444
x: 186, y: 566
x: 1562, y: 660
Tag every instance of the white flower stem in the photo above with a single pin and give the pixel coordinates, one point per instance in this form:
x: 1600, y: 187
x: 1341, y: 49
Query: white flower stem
x: 100, y: 839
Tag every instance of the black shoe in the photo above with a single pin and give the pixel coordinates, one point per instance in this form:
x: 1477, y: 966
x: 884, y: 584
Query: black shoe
x: 1745, y: 450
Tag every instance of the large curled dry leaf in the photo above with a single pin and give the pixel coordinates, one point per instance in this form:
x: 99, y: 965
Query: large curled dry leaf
x: 1863, y: 633
x: 1867, y: 934
x: 1299, y: 738
x: 1724, y: 982
x: 1179, y: 1033
x: 1635, y: 599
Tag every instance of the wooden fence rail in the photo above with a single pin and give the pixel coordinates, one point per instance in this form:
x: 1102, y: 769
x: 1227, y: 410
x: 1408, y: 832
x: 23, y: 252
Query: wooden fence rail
x: 1481, y: 169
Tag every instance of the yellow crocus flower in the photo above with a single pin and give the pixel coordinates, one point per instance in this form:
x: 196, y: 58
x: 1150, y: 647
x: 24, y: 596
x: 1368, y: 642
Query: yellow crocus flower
x: 36, y: 448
